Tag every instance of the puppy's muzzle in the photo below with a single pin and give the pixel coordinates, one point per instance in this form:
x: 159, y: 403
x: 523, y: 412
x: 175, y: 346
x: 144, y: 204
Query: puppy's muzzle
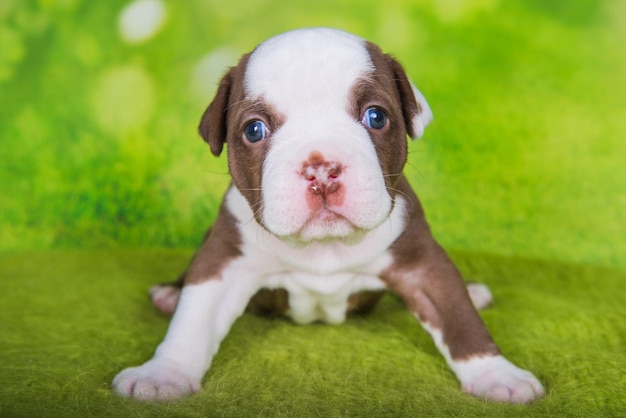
x: 324, y: 178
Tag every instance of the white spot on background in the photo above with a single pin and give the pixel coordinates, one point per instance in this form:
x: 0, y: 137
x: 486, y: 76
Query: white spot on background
x: 209, y: 71
x: 140, y: 20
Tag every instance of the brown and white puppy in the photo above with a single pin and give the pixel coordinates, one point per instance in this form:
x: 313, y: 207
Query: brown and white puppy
x: 319, y: 220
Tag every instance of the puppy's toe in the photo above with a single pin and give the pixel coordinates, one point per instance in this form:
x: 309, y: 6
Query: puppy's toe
x: 152, y: 390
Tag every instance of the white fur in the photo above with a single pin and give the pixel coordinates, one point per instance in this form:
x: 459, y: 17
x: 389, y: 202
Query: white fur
x: 307, y: 68
x: 422, y: 119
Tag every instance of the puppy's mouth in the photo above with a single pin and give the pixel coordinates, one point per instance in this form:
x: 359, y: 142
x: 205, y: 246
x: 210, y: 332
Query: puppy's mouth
x: 325, y: 215
x: 327, y: 225
x: 327, y: 220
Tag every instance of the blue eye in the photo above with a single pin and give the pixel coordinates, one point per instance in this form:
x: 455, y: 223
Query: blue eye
x: 374, y: 118
x: 255, y: 131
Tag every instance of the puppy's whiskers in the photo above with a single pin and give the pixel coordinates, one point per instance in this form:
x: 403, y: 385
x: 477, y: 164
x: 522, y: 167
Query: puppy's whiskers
x: 392, y: 175
x: 415, y: 170
x: 400, y: 192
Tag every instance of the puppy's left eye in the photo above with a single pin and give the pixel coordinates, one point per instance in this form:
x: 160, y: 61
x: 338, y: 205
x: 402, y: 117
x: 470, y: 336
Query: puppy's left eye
x: 374, y: 118
x: 255, y: 131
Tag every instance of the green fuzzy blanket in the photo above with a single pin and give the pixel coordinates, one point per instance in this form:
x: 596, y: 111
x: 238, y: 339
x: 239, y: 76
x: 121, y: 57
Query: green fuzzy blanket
x: 73, y: 319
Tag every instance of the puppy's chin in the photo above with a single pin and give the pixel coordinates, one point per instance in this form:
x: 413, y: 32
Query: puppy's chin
x: 328, y: 230
x: 325, y: 227
x: 308, y: 236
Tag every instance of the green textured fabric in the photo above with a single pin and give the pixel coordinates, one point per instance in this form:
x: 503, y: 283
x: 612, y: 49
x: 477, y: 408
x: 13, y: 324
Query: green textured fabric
x: 106, y: 188
x: 73, y: 319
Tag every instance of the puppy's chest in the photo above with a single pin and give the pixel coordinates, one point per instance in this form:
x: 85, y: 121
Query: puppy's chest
x: 321, y: 297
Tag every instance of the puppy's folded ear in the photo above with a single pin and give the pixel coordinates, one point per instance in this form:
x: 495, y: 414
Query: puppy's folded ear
x: 213, y: 123
x: 417, y: 113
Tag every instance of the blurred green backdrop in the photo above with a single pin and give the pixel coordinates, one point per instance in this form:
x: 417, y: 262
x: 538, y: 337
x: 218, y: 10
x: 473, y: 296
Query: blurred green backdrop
x: 105, y: 189
x: 526, y: 154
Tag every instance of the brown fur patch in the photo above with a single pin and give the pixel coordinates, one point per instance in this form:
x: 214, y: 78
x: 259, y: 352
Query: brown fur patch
x: 224, y: 121
x: 384, y: 88
x: 221, y: 244
x: 214, y: 120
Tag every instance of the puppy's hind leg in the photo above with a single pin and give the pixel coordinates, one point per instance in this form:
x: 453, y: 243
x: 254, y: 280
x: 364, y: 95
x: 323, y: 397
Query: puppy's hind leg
x: 165, y: 296
x: 480, y: 295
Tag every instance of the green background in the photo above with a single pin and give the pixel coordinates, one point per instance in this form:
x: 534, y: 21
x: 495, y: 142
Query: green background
x: 106, y: 188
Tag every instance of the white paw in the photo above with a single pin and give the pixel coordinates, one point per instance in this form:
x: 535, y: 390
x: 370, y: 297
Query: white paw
x: 155, y: 380
x: 494, y: 378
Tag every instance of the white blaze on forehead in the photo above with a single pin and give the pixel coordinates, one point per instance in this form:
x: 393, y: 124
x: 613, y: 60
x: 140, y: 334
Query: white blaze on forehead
x: 317, y: 66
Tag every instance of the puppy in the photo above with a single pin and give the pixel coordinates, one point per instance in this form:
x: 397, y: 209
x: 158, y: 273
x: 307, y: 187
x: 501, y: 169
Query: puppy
x: 319, y: 220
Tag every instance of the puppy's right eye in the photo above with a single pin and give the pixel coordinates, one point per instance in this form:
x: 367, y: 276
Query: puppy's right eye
x: 255, y: 131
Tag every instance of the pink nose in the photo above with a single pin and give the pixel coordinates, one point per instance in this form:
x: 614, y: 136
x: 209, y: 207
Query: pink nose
x: 324, y: 177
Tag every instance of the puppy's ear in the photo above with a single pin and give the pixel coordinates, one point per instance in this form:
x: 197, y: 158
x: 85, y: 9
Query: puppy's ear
x: 213, y: 123
x: 416, y: 111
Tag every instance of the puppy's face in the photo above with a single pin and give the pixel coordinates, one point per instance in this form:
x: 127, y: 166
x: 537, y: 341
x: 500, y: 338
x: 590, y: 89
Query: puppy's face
x: 316, y: 125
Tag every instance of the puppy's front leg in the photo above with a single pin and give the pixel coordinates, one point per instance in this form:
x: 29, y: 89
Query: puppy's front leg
x: 437, y: 296
x: 202, y: 319
x: 217, y: 288
x: 431, y: 286
x: 433, y: 290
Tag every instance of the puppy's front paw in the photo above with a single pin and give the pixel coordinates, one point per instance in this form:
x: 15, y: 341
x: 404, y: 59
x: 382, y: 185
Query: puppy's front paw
x: 155, y: 380
x: 494, y: 378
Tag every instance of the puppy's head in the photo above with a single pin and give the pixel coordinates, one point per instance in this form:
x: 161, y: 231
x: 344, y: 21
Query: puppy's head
x: 316, y: 123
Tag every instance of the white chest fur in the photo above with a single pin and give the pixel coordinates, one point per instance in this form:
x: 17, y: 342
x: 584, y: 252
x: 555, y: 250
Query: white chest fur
x: 321, y: 276
x: 313, y: 297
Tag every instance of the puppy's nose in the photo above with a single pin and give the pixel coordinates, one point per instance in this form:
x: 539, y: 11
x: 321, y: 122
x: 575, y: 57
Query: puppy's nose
x: 323, y: 177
